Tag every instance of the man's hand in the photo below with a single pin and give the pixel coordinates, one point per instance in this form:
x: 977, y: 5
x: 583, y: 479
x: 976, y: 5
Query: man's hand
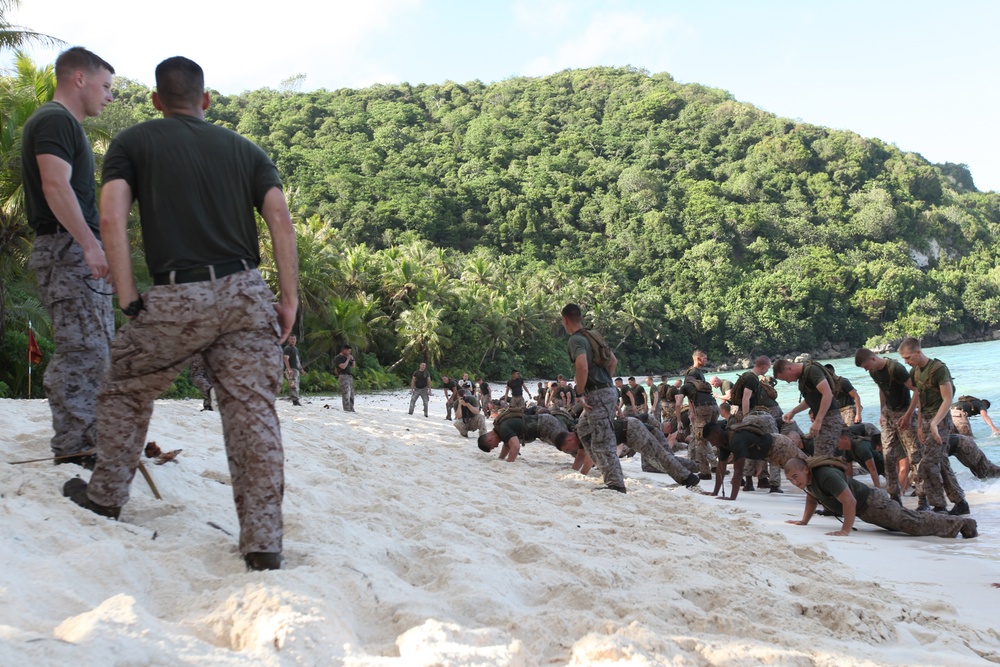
x: 840, y: 533
x: 286, y: 319
x: 788, y: 417
x: 815, y: 429
x: 797, y: 522
x: 97, y: 261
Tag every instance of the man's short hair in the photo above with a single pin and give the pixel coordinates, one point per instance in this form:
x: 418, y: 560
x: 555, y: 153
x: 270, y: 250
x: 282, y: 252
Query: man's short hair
x: 345, y: 347
x: 862, y: 355
x: 483, y: 442
x: 77, y: 58
x: 792, y: 465
x: 180, y: 82
x: 572, y: 312
x: 986, y: 404
x: 845, y: 433
x: 762, y: 360
x: 710, y: 428
x: 908, y: 345
x: 631, y: 378
x: 780, y: 366
x: 560, y: 439
x: 664, y: 378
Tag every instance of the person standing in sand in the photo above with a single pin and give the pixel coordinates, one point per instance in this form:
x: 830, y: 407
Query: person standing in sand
x: 197, y: 185
x: 420, y: 387
x: 344, y: 364
x: 60, y: 199
x: 598, y: 395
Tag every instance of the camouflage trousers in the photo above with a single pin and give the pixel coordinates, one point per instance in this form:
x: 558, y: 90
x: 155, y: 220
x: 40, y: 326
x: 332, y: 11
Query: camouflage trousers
x: 231, y: 322
x: 517, y: 401
x: 894, y: 438
x: 198, y: 373
x: 294, y: 377
x: 700, y: 449
x: 421, y: 393
x: 939, y: 478
x: 973, y: 458
x: 474, y: 423
x: 825, y: 444
x: 884, y: 512
x: 346, y: 383
x: 83, y: 325
x: 638, y: 437
x: 961, y: 420
x: 597, y: 434
x: 548, y: 427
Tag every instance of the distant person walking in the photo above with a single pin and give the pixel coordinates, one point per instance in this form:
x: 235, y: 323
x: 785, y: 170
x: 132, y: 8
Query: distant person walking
x: 343, y: 365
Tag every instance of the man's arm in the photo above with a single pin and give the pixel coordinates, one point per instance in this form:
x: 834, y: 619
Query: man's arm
x: 582, y: 463
x: 850, y: 505
x: 789, y: 416
x: 580, y: 371
x: 811, y: 504
x: 989, y: 422
x: 116, y: 201
x: 62, y: 201
x: 857, y: 406
x: 745, y: 401
x: 510, y: 449
x: 824, y: 406
x: 288, y: 367
x: 873, y: 471
x: 914, y: 404
x: 943, y: 411
x: 279, y: 224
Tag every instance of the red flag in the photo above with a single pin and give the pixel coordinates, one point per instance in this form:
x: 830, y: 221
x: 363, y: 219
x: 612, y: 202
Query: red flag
x: 34, y: 353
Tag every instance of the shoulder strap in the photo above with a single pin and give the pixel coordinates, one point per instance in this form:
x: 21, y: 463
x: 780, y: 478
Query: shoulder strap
x: 829, y: 461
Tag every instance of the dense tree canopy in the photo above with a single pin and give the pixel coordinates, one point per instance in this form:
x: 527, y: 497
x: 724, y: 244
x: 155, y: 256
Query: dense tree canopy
x: 450, y: 222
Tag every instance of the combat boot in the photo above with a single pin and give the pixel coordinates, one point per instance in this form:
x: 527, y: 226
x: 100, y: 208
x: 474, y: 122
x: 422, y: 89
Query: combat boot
x: 692, y: 481
x: 969, y: 529
x: 260, y: 560
x: 76, y: 490
x: 748, y: 484
x: 775, y: 489
x: 960, y: 508
x: 922, y: 505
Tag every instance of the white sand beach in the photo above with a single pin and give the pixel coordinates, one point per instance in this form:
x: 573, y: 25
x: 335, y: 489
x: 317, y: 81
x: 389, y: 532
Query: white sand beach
x: 407, y: 546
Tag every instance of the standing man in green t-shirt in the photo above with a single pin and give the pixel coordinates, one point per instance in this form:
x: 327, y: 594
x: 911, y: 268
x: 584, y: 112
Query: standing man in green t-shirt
x: 599, y: 397
x: 343, y: 365
x: 934, y: 394
x: 420, y: 386
x: 899, y: 422
x: 60, y: 200
x: 818, y: 397
x: 293, y: 369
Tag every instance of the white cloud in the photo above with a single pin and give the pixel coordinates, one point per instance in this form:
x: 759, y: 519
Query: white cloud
x: 618, y: 38
x: 240, y: 46
x: 543, y: 16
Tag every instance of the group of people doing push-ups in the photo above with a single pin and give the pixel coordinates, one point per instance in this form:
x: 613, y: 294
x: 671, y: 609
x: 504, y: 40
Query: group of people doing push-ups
x: 922, y: 425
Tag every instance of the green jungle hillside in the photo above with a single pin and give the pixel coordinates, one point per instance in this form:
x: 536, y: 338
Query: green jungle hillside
x: 451, y: 222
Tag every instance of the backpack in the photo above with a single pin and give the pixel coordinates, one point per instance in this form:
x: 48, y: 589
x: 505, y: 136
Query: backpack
x: 599, y: 347
x: 509, y: 413
x: 831, y: 461
x: 701, y: 386
x: 736, y: 395
x: 928, y: 372
x: 831, y: 378
x: 768, y: 389
x: 747, y: 426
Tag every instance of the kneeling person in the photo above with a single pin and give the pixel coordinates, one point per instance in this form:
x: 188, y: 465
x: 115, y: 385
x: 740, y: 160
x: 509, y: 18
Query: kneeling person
x: 470, y: 414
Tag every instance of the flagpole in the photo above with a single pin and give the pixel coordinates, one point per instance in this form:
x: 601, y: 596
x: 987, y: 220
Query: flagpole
x: 29, y: 359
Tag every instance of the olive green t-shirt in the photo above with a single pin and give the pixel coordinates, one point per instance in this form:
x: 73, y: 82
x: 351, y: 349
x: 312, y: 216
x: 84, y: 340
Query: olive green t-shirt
x: 928, y: 381
x: 578, y: 344
x: 891, y: 381
x: 525, y: 429
x: 812, y: 377
x: 197, y: 185
x: 829, y: 482
x: 860, y: 452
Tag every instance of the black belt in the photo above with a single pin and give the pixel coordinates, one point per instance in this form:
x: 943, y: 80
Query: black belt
x: 599, y: 385
x: 201, y: 273
x: 47, y: 228
x: 702, y: 404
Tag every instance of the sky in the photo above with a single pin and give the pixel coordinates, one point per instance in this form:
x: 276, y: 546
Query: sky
x: 919, y: 74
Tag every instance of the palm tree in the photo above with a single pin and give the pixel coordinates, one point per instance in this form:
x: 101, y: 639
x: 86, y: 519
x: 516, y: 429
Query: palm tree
x: 15, y: 36
x: 425, y: 333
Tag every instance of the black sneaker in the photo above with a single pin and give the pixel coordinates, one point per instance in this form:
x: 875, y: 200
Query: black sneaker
x: 763, y: 481
x: 748, y: 485
x: 609, y: 487
x: 76, y: 490
x: 692, y: 480
x: 960, y: 508
x: 941, y: 510
x: 87, y: 461
x: 260, y: 560
x: 775, y: 489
